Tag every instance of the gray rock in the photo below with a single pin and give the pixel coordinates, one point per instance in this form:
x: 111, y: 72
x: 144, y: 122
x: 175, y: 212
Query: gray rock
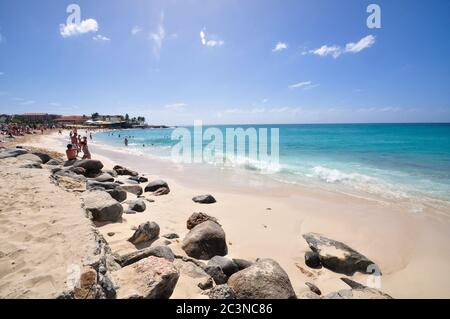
x: 145, y: 232
x: 242, y: 263
x: 265, y: 279
x: 157, y: 251
x: 337, y: 256
x: 206, y: 284
x: 149, y: 278
x: 120, y: 170
x: 118, y: 193
x: 221, y: 292
x: 198, y: 218
x: 43, y: 156
x: 204, y: 199
x: 111, y: 172
x: 205, y: 241
x: 155, y: 185
x: 30, y: 157
x: 105, y: 177
x: 161, y: 191
x: 6, y: 153
x: 108, y: 286
x: 216, y: 273
x: 92, y: 167
x: 137, y: 205
x: 312, y: 260
x: 138, y: 179
x: 171, y: 236
x: 102, y: 206
x: 134, y: 189
x: 227, y: 265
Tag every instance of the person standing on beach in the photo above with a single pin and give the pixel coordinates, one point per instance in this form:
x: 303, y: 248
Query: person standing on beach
x: 84, y: 147
x: 126, y: 141
x: 90, y: 136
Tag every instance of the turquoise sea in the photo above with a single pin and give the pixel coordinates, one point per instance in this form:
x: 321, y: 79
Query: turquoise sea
x: 390, y: 160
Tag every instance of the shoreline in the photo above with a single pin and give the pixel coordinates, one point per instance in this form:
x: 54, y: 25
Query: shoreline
x: 403, y: 244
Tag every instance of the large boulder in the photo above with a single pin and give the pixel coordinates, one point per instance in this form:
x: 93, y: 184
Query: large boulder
x: 149, y: 278
x: 133, y: 189
x: 155, y: 185
x: 337, y: 256
x: 14, y: 152
x: 265, y: 279
x: 145, y: 232
x: 93, y: 167
x: 30, y: 157
x: 120, y: 170
x: 312, y: 260
x: 102, y: 206
x: 205, y: 241
x: 105, y: 177
x: 157, y: 251
x: 43, y: 156
x: 227, y: 265
x: 198, y: 218
x: 242, y: 263
x: 138, y: 205
x: 204, y: 199
x: 118, y: 193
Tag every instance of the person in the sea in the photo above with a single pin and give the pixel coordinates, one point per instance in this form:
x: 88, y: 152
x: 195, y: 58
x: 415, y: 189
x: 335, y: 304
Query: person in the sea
x: 85, y: 149
x: 90, y: 136
x: 71, y: 152
x: 126, y: 141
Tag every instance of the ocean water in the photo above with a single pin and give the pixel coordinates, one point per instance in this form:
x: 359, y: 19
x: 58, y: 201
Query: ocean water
x: 395, y: 161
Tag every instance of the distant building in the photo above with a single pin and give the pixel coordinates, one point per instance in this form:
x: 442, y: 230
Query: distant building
x: 72, y: 119
x: 35, y: 117
x: 110, y: 118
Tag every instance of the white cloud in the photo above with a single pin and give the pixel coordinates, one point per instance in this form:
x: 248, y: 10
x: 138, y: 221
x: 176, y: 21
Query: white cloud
x: 176, y: 106
x: 72, y: 29
x: 214, y: 42
x: 336, y: 51
x: 158, y: 36
x: 300, y: 84
x: 136, y: 29
x: 325, y: 50
x: 100, y: 37
x: 280, y: 46
x: 362, y: 44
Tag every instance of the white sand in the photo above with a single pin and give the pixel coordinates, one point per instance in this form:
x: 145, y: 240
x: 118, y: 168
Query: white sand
x: 411, y: 249
x: 43, y: 233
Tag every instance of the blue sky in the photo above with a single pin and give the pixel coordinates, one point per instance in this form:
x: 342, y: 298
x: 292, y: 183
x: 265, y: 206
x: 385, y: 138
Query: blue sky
x: 228, y: 61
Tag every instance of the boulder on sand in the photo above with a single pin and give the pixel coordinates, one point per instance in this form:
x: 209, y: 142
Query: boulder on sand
x: 120, y: 170
x: 312, y: 260
x: 99, y: 185
x: 337, y: 256
x: 13, y: 152
x: 105, y: 177
x: 204, y: 199
x: 138, y: 205
x: 265, y: 279
x: 118, y: 193
x: 155, y: 185
x: 145, y: 232
x: 226, y: 264
x: 92, y: 167
x: 205, y: 241
x: 102, y: 206
x: 54, y: 162
x: 133, y: 189
x: 30, y: 157
x: 149, y: 278
x: 157, y: 251
x: 43, y: 156
x: 198, y: 218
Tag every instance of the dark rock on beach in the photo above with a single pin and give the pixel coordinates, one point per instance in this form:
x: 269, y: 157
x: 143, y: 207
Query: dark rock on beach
x: 93, y: 167
x: 337, y: 256
x: 216, y: 274
x: 227, y: 265
x: 265, y: 279
x: 118, y: 193
x: 161, y: 191
x: 120, y: 170
x: 313, y: 288
x: 155, y: 185
x: 312, y: 260
x: 134, y: 189
x: 171, y: 236
x: 99, y: 185
x: 205, y: 241
x: 145, y: 232
x: 137, y: 205
x: 45, y: 158
x: 54, y: 162
x: 198, y: 218
x: 102, y: 206
x: 158, y: 251
x: 204, y: 199
x: 242, y: 263
x: 105, y: 177
x: 139, y: 179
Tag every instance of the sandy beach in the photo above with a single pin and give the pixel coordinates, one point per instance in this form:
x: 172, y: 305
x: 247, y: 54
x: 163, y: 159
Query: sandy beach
x: 260, y: 219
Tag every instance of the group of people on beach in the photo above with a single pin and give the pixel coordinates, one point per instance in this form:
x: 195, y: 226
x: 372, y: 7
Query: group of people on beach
x: 78, y: 144
x: 13, y: 130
